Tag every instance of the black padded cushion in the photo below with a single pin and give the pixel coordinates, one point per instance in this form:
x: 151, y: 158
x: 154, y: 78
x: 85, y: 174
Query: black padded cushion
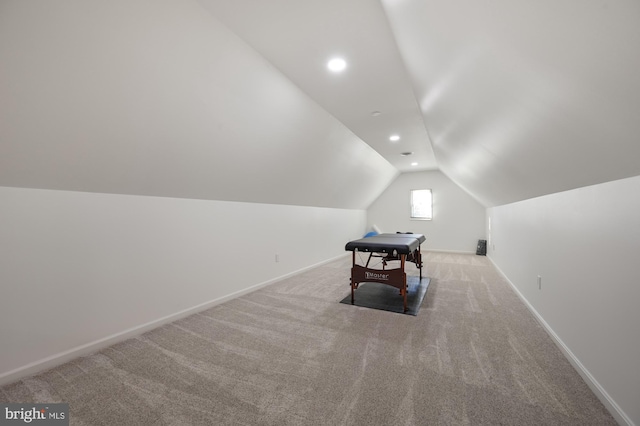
x: 387, y: 243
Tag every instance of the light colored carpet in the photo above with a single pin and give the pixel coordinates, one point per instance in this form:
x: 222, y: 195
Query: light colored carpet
x: 291, y: 354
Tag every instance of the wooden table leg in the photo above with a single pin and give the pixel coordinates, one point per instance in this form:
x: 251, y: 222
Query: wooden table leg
x: 404, y: 284
x: 353, y: 263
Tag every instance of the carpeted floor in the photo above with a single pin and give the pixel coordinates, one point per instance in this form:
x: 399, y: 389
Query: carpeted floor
x: 291, y: 354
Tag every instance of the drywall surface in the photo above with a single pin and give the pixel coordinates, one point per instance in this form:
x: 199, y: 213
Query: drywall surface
x: 77, y: 267
x: 159, y: 98
x: 458, y: 219
x: 523, y: 98
x: 585, y: 245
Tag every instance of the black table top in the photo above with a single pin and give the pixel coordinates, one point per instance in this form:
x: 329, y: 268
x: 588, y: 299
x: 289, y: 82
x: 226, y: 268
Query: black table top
x: 387, y: 243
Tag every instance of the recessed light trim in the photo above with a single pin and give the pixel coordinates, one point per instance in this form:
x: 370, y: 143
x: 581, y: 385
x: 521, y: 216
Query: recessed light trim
x: 406, y: 154
x: 414, y: 164
x: 394, y: 138
x: 337, y: 64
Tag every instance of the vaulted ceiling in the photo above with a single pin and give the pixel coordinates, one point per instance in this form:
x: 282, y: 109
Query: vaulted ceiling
x: 510, y: 99
x: 524, y: 98
x: 232, y: 100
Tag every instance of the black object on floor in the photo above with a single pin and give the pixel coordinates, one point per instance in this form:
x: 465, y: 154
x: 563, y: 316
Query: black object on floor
x: 482, y: 248
x: 387, y: 298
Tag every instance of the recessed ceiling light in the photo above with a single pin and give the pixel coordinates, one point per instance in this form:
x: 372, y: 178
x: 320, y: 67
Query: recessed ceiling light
x: 414, y: 164
x: 337, y: 64
x: 376, y: 113
x: 394, y: 138
x: 406, y: 154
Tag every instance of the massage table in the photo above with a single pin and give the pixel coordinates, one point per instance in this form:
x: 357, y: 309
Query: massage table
x: 404, y: 247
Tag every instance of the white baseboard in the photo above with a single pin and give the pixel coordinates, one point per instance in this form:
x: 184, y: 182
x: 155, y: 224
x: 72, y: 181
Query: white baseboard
x: 593, y: 384
x: 97, y: 345
x: 449, y: 251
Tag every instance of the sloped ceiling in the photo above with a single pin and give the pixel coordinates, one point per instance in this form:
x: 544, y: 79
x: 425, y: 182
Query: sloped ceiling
x: 525, y: 98
x: 159, y: 98
x: 231, y: 99
x: 299, y: 38
x: 510, y: 99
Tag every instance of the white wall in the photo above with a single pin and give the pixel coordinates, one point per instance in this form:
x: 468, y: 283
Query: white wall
x: 78, y: 267
x: 458, y: 219
x: 585, y: 245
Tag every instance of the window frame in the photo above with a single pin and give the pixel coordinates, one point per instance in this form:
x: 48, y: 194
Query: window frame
x: 411, y: 205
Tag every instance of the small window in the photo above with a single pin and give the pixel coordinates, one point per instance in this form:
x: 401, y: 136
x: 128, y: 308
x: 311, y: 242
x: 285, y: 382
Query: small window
x: 421, y: 206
